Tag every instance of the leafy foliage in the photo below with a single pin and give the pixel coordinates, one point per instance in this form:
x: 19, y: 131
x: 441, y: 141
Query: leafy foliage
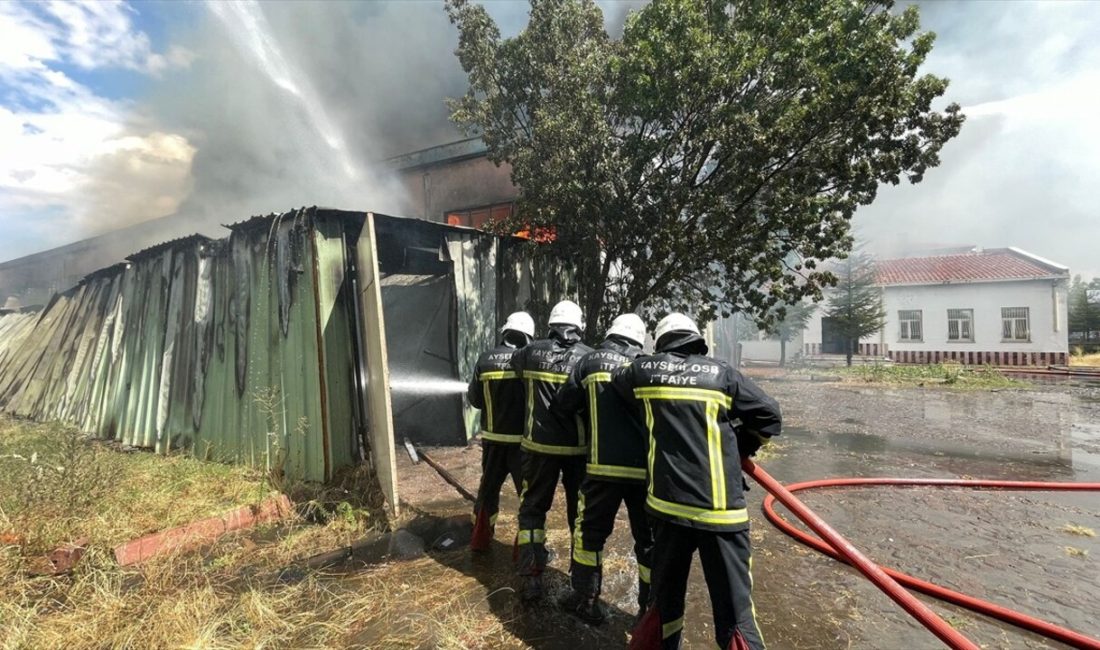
x: 784, y: 322
x: 1084, y: 314
x: 855, y: 304
x: 712, y: 156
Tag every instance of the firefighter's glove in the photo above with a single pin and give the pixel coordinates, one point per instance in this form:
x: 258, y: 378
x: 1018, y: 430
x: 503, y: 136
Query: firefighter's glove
x: 749, y: 442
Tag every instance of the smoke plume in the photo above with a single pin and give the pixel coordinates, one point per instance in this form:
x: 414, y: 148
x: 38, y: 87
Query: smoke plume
x: 1022, y: 170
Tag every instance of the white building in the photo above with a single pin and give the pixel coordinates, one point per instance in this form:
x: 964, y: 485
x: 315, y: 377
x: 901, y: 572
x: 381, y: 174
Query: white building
x: 1001, y: 306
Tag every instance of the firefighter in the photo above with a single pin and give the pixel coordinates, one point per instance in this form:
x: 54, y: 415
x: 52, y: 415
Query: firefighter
x: 616, y: 468
x: 554, y: 442
x: 499, y: 394
x: 702, y: 416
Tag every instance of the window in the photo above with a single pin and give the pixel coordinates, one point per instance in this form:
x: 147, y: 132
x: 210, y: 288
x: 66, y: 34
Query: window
x: 960, y: 325
x: 483, y: 218
x: 910, y: 325
x: 1015, y: 324
x: 479, y: 217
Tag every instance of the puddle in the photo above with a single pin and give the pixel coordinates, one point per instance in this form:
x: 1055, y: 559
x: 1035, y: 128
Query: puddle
x: 1010, y: 548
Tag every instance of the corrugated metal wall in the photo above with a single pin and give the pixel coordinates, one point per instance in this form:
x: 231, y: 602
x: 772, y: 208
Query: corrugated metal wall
x: 216, y: 346
x: 258, y: 348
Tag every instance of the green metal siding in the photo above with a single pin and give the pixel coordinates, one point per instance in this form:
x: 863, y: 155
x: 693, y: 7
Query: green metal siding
x: 174, y: 350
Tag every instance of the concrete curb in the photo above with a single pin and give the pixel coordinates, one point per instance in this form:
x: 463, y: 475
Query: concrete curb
x: 203, y: 531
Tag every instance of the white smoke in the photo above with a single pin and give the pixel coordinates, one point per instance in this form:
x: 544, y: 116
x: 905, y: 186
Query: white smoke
x: 1021, y: 172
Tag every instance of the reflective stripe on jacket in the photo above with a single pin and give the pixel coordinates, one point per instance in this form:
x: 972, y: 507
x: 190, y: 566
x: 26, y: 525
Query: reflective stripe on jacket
x: 544, y: 367
x: 689, y: 403
x: 498, y: 392
x: 616, y: 434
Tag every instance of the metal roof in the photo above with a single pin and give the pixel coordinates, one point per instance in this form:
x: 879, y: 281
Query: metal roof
x: 988, y: 265
x: 450, y: 152
x: 173, y: 243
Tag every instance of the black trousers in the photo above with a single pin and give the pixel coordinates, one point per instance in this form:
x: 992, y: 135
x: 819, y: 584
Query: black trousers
x: 597, y: 508
x: 541, y: 473
x: 727, y: 561
x: 498, y: 460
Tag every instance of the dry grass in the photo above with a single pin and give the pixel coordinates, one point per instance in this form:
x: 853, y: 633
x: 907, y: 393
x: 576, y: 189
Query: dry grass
x: 247, y: 591
x: 60, y: 486
x: 1092, y: 360
x: 1081, y: 531
x: 240, y: 602
x: 946, y: 375
x: 1073, y: 551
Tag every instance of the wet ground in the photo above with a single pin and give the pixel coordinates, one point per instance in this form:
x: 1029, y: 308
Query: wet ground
x: 1014, y: 549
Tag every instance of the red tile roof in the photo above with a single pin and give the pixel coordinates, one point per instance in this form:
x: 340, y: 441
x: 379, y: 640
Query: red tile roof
x: 973, y: 266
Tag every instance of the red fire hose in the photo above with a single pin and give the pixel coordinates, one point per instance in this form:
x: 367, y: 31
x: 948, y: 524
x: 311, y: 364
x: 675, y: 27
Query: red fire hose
x: 889, y: 580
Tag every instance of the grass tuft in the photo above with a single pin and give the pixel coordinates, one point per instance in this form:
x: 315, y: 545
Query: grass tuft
x: 1082, y: 531
x: 61, y: 485
x: 952, y: 375
x: 1079, y: 358
x: 247, y: 590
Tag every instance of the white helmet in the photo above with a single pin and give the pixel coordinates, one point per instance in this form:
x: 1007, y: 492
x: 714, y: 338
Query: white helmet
x: 520, y: 322
x: 675, y: 322
x: 629, y: 326
x: 567, y: 312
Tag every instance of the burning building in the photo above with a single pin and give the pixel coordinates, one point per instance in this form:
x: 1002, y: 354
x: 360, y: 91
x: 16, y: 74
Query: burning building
x: 298, y: 343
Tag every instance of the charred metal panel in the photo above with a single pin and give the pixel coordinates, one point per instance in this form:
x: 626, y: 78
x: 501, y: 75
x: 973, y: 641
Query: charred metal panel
x: 375, y: 376
x: 217, y: 347
x: 427, y: 394
x: 274, y: 346
x: 475, y: 260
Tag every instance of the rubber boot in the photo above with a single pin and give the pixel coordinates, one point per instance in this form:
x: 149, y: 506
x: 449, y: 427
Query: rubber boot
x: 530, y: 570
x: 482, y: 536
x: 646, y: 635
x: 584, y: 600
x: 531, y: 590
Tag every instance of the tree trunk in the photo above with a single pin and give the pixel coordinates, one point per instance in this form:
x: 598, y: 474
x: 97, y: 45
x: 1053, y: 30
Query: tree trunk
x: 782, y: 352
x: 593, y: 296
x: 851, y: 351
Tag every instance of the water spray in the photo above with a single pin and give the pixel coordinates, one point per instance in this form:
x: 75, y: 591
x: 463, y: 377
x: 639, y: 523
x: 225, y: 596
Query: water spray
x: 427, y: 385
x: 248, y: 28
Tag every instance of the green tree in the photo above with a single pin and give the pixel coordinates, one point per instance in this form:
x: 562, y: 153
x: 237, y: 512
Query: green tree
x: 855, y: 304
x: 1084, y: 314
x: 785, y: 322
x: 709, y: 158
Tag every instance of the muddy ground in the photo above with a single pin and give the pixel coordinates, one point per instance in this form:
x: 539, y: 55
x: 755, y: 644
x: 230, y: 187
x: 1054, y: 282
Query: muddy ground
x: 1011, y: 548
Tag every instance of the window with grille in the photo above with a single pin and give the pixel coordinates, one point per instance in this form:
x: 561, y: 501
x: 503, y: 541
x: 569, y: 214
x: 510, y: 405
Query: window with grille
x: 960, y: 325
x: 910, y: 320
x: 1015, y: 325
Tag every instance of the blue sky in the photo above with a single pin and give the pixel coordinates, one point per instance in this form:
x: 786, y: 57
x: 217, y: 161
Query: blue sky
x: 77, y: 154
x: 114, y: 112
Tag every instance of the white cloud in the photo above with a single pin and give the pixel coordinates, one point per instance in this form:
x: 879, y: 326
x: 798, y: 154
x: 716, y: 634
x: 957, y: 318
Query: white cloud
x: 64, y: 147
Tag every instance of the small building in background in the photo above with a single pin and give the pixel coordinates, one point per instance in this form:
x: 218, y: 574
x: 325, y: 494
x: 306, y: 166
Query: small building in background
x: 999, y: 306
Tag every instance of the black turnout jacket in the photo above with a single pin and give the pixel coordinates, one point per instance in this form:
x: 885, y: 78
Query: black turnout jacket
x: 543, y: 367
x: 616, y: 434
x: 698, y: 411
x: 498, y: 392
